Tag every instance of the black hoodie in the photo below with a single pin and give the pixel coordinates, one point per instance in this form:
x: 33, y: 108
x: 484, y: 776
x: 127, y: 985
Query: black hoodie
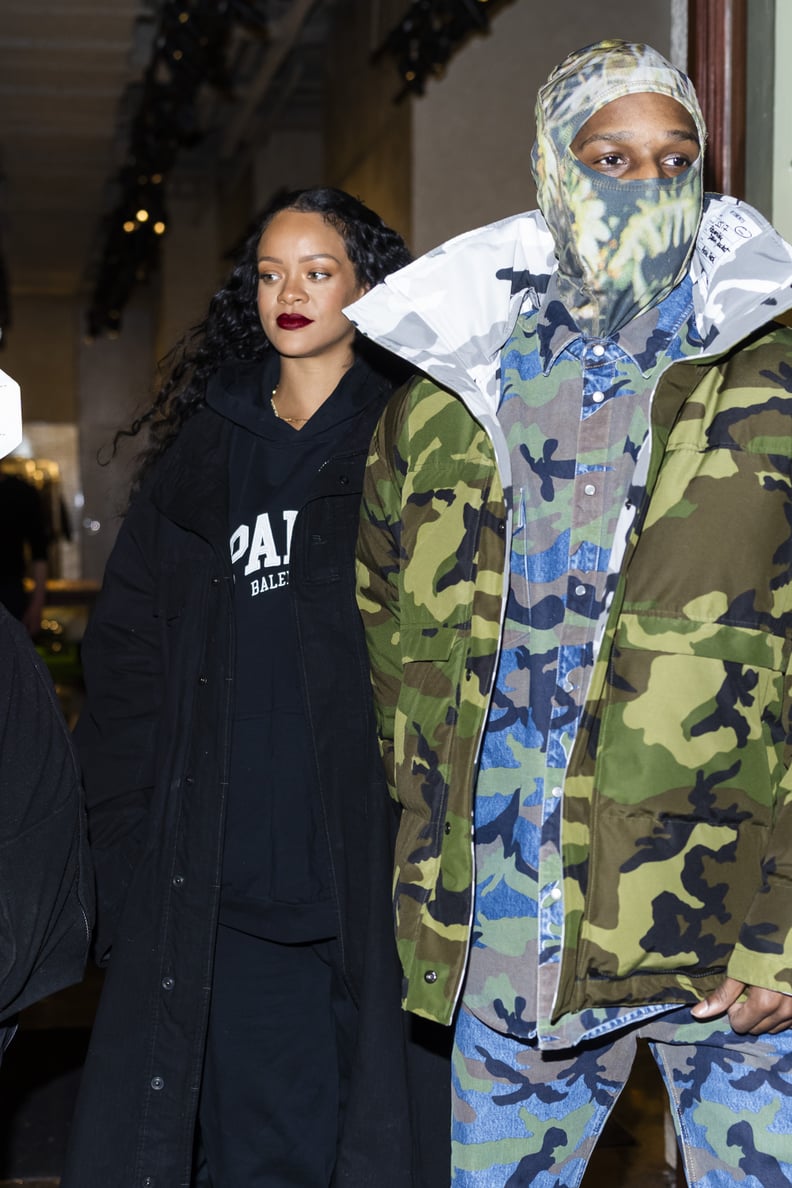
x: 275, y: 871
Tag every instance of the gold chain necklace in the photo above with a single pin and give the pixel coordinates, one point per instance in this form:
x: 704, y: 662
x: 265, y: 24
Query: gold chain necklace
x: 288, y: 420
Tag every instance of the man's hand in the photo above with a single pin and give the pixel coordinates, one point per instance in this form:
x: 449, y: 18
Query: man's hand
x: 761, y: 1011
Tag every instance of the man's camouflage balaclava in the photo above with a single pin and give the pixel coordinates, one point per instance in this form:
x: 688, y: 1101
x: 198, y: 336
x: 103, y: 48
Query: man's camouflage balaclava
x: 621, y: 245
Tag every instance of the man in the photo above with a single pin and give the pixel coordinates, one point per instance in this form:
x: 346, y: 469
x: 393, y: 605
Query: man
x: 46, y: 885
x: 575, y: 574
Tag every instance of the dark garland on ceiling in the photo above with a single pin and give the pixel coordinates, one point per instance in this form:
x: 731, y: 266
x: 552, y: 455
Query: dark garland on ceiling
x: 427, y: 37
x: 189, y: 50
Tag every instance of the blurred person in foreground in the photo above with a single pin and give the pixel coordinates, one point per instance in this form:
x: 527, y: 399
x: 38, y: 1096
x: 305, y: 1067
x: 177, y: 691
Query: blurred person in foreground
x: 23, y: 550
x: 249, y: 1032
x: 46, y: 886
x: 576, y: 579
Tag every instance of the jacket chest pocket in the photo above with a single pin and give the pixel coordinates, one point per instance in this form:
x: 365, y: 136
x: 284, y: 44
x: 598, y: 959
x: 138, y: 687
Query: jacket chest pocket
x: 325, y: 540
x: 177, y: 585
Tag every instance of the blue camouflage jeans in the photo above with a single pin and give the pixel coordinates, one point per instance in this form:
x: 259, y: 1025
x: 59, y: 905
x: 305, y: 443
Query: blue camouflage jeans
x: 524, y: 1118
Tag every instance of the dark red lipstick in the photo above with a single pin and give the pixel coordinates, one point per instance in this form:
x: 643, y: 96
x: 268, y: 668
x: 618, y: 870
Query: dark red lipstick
x: 293, y: 321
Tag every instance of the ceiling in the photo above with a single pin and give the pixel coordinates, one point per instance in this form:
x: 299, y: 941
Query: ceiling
x: 64, y: 66
x: 71, y: 78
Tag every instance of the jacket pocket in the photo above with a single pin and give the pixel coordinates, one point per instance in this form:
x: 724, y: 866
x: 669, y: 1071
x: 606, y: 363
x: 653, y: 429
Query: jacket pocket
x: 426, y: 642
x: 689, y: 756
x: 425, y: 715
x: 320, y: 555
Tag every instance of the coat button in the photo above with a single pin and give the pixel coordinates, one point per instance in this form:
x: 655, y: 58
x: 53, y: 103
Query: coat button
x: 178, y: 880
x: 148, y: 1182
x: 447, y: 828
x: 430, y: 976
x: 344, y: 480
x: 188, y: 779
x: 168, y: 983
x: 203, y: 680
x: 215, y: 581
x: 157, y: 1083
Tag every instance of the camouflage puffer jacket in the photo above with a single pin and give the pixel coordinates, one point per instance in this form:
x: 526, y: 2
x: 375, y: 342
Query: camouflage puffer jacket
x: 678, y: 796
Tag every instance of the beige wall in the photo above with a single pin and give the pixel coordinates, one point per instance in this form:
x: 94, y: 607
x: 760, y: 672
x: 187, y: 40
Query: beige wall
x: 782, y: 147
x: 189, y: 269
x: 290, y: 160
x: 367, y: 135
x: 473, y: 129
x: 115, y: 377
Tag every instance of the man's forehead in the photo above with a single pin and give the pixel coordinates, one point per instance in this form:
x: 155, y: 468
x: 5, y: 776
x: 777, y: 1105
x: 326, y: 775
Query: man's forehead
x: 627, y: 117
x: 590, y: 78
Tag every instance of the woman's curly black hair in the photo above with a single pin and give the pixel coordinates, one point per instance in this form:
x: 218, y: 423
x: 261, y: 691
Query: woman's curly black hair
x: 231, y: 328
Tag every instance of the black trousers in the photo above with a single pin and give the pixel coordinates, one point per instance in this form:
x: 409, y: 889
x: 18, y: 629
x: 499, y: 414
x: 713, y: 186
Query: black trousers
x: 276, y: 1064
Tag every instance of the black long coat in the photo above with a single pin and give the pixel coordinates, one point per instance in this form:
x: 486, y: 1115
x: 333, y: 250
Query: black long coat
x: 154, y: 745
x: 46, y: 885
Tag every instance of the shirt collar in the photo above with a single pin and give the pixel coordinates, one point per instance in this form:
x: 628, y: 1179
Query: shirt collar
x: 642, y: 340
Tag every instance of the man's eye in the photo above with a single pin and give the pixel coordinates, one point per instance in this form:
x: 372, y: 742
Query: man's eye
x: 609, y: 161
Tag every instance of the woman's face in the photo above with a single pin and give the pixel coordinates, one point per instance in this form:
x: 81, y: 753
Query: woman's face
x: 305, y: 280
x: 638, y: 137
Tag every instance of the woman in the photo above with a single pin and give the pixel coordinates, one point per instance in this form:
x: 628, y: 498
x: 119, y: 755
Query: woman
x: 237, y: 812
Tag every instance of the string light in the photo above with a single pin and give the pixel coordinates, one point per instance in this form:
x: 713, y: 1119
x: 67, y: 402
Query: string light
x: 428, y: 35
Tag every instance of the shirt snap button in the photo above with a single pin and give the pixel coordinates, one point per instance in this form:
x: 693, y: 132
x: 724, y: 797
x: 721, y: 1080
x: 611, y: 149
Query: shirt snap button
x: 430, y: 976
x: 157, y: 1083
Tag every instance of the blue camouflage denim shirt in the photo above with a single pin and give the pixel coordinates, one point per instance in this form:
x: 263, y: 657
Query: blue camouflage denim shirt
x: 575, y: 412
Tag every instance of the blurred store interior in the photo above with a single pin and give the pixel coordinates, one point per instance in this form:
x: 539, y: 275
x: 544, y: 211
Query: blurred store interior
x: 139, y: 141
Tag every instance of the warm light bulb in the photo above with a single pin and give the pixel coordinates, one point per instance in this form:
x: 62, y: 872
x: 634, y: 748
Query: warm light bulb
x: 159, y: 228
x: 142, y: 215
x: 129, y: 226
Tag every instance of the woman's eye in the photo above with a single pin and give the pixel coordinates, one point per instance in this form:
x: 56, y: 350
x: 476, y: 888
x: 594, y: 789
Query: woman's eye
x: 317, y: 274
x: 267, y: 278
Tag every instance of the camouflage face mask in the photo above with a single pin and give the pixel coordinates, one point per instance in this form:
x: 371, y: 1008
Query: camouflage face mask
x: 621, y: 245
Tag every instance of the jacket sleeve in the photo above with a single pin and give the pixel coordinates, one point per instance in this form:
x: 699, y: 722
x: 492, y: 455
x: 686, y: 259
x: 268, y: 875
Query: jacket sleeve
x: 378, y: 573
x: 116, y: 734
x: 46, y: 890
